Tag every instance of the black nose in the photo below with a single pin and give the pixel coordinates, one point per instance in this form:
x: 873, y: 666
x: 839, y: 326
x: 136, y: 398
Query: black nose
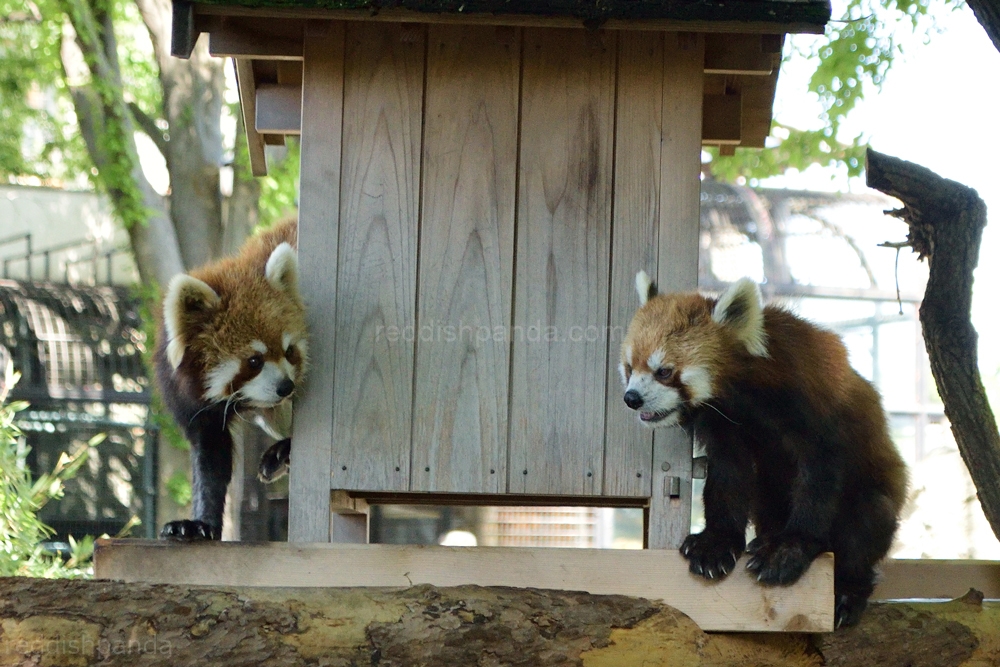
x: 285, y: 387
x: 633, y: 399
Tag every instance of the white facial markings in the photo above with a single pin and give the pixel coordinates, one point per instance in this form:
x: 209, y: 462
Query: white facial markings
x: 217, y: 379
x: 656, y: 399
x: 288, y: 369
x: 699, y: 383
x: 655, y: 361
x: 258, y: 346
x: 621, y: 370
x: 261, y: 391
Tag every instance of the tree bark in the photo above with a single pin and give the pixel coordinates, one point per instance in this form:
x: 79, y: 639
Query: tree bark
x: 988, y: 14
x: 192, y: 106
x: 946, y: 221
x: 73, y: 622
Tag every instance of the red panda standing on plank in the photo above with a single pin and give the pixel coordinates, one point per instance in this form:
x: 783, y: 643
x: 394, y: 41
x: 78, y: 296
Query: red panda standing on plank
x: 231, y: 348
x: 797, y: 441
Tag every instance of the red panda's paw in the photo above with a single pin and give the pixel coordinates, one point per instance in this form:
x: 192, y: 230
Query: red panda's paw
x: 189, y: 531
x: 781, y: 560
x: 712, y: 556
x: 274, y: 462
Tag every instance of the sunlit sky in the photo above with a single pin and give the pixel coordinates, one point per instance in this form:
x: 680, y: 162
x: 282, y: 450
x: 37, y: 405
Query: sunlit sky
x: 938, y: 108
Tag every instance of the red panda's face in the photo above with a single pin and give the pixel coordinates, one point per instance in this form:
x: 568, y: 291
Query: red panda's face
x: 680, y: 347
x: 260, y: 374
x: 244, y: 340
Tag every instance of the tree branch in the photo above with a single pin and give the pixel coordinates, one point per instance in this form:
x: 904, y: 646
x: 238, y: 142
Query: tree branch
x: 988, y: 14
x: 149, y: 128
x: 946, y: 221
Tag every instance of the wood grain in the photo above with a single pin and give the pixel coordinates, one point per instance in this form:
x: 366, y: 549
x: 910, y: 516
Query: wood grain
x: 628, y: 449
x: 376, y: 288
x: 563, y: 243
x: 319, y: 225
x: 248, y: 104
x: 669, y: 518
x: 736, y: 603
x: 466, y: 260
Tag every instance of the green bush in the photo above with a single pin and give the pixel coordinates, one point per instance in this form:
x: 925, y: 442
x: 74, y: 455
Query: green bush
x: 21, y: 531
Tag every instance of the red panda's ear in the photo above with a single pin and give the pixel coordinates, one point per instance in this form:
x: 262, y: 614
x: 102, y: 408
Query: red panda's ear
x: 282, y: 269
x: 188, y: 305
x: 739, y: 308
x: 645, y: 287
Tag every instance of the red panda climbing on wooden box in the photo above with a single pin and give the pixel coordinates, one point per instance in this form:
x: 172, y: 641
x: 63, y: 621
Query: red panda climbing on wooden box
x: 231, y: 348
x: 796, y: 440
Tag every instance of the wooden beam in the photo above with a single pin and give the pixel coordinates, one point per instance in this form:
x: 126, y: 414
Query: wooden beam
x: 722, y: 119
x: 248, y: 103
x: 905, y: 579
x: 184, y: 35
x: 397, y: 15
x: 737, y: 603
x: 239, y: 38
x: 279, y: 109
x: 739, y: 54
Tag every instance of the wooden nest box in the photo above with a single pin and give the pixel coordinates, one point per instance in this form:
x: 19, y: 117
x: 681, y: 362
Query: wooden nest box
x: 480, y: 182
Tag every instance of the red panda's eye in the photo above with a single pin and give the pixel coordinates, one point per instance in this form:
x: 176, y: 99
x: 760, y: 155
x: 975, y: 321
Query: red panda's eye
x: 291, y: 354
x: 664, y: 373
x: 628, y: 371
x: 255, y: 362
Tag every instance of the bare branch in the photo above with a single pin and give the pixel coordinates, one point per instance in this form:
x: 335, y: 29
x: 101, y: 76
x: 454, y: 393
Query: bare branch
x: 946, y: 221
x: 149, y: 128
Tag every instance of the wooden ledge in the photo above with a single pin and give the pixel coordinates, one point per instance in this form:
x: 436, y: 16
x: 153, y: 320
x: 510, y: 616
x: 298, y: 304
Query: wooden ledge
x: 735, y: 604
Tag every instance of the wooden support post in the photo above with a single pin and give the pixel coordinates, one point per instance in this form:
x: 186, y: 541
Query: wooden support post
x: 349, y: 519
x: 319, y: 222
x: 669, y: 518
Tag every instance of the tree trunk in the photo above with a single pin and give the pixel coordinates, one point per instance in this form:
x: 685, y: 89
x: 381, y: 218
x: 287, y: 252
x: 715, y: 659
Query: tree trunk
x: 63, y: 622
x: 946, y: 221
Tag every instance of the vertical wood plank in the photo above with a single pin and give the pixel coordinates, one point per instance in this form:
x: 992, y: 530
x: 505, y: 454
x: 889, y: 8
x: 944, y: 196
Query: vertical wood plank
x: 563, y: 241
x: 376, y: 289
x: 466, y: 259
x: 680, y: 204
x: 319, y: 224
x: 628, y: 449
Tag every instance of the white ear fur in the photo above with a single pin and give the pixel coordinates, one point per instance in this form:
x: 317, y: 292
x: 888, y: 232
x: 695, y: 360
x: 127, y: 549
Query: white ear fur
x: 645, y: 287
x: 282, y: 269
x: 740, y: 308
x: 183, y: 292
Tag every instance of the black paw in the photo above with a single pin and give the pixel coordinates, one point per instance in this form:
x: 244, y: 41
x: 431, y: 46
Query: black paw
x: 189, y: 531
x: 780, y: 561
x: 274, y: 462
x: 711, y: 556
x: 850, y: 606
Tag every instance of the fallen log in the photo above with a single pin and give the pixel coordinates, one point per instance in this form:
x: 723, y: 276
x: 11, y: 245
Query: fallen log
x: 73, y: 622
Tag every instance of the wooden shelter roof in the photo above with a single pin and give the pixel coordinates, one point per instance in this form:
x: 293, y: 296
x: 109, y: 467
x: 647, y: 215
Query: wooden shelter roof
x: 807, y: 13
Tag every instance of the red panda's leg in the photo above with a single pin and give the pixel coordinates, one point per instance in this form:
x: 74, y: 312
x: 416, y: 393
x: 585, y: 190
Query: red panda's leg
x: 815, y: 497
x: 211, y: 470
x: 713, y: 552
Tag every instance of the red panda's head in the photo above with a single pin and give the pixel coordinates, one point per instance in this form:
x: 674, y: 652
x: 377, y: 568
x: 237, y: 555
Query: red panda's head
x: 239, y: 326
x: 681, y: 348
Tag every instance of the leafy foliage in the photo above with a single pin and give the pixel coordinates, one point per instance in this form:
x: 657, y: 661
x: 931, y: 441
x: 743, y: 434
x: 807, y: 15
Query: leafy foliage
x: 21, y: 531
x: 856, y: 53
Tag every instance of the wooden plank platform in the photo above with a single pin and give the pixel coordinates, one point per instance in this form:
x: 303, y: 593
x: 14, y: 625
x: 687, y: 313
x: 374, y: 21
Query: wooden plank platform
x: 735, y: 604
x: 908, y: 579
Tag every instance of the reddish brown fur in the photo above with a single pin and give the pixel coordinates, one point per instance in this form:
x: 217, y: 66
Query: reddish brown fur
x: 251, y: 307
x: 797, y: 442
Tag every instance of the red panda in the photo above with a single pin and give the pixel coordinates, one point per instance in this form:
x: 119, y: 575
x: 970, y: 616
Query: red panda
x: 797, y: 442
x: 231, y: 347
